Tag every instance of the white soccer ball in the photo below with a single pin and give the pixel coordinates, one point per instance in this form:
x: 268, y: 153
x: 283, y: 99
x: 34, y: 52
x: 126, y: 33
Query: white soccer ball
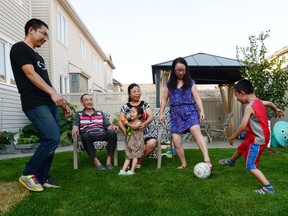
x: 202, y: 170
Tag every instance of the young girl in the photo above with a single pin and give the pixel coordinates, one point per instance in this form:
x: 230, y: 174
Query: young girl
x: 134, y: 147
x: 184, y: 105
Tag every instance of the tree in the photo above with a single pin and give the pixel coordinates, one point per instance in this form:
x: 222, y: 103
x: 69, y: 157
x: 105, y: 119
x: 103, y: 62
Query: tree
x: 268, y: 76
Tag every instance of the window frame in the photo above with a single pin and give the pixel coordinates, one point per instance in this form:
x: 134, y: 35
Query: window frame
x: 8, y: 76
x: 64, y: 84
x: 82, y: 47
x: 61, y: 28
x: 95, y: 61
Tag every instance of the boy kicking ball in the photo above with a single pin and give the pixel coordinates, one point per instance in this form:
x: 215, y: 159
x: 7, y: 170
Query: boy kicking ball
x: 257, y: 134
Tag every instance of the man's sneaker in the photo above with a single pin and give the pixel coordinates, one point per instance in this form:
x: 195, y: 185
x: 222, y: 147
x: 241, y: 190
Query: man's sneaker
x: 49, y: 184
x: 100, y: 167
x: 264, y: 190
x: 122, y: 172
x: 227, y: 162
x: 109, y: 166
x: 31, y: 182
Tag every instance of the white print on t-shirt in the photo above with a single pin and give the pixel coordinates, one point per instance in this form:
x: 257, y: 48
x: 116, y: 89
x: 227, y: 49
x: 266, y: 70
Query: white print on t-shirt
x: 41, y: 65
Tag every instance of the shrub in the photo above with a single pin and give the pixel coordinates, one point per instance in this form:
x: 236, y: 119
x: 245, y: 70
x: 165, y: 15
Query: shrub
x: 66, y: 124
x: 6, y: 137
x: 28, y: 140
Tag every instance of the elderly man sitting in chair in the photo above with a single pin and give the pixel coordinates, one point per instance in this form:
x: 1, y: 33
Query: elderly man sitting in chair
x: 94, y: 125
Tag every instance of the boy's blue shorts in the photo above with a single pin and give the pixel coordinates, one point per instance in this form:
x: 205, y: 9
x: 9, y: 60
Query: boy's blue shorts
x: 251, y: 153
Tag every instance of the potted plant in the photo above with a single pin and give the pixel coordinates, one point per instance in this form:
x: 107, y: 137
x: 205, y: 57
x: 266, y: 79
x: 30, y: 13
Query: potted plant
x: 6, y: 141
x: 33, y: 139
x: 28, y: 139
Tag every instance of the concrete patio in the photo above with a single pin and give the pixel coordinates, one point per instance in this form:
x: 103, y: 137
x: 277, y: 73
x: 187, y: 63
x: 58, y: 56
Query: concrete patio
x: 121, y: 146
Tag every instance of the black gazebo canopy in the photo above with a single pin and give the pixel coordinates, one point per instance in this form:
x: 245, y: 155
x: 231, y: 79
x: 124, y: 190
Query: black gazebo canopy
x: 207, y: 69
x: 204, y: 69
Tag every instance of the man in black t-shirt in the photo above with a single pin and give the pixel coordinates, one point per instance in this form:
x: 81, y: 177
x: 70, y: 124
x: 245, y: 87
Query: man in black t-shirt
x: 39, y: 102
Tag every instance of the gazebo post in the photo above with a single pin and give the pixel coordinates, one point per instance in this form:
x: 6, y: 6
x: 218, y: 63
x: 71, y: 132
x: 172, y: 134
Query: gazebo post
x: 158, y: 88
x: 228, y: 102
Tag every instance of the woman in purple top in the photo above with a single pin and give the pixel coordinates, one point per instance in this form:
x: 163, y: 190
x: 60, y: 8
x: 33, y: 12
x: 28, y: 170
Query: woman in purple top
x: 184, y: 105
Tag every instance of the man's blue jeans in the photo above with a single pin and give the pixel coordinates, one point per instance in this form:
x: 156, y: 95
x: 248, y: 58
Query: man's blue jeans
x: 46, y: 120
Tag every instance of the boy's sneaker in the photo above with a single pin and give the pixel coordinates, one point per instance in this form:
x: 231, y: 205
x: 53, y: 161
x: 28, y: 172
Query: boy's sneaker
x: 227, y: 162
x: 128, y: 173
x: 31, y: 182
x: 122, y: 172
x: 264, y: 190
x: 49, y: 184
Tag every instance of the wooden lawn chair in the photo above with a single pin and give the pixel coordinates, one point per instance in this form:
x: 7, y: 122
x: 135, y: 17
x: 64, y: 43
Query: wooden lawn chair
x: 223, y: 128
x: 161, y: 132
x: 98, y: 146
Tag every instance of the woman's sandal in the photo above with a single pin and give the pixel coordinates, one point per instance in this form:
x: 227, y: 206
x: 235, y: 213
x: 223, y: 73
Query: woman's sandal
x: 182, y: 166
x: 209, y: 164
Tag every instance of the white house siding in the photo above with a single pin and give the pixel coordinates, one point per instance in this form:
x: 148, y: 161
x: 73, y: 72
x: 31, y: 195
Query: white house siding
x: 68, y: 54
x: 12, y: 117
x: 40, y: 10
x: 86, y: 65
x: 100, y: 76
x: 109, y: 76
x: 65, y: 54
x: 58, y: 57
x: 12, y: 21
x: 13, y: 18
x: 60, y: 51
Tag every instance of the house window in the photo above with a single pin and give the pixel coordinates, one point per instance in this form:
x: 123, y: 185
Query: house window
x: 63, y: 84
x: 78, y: 83
x: 61, y: 28
x: 74, y: 83
x: 6, y: 74
x: 95, y: 62
x: 82, y: 47
x: 12, y: 79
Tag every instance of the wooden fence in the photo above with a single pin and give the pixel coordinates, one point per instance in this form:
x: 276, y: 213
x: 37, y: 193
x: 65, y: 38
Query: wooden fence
x: 112, y: 102
x: 12, y: 117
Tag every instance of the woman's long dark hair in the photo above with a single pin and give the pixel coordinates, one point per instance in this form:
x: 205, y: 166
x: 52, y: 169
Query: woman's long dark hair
x: 172, y: 82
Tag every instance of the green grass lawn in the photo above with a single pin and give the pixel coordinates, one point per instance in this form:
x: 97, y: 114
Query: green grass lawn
x: 167, y: 191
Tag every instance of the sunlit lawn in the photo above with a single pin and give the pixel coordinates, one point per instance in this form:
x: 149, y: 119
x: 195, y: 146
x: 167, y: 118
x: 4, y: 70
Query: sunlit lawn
x: 166, y: 191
